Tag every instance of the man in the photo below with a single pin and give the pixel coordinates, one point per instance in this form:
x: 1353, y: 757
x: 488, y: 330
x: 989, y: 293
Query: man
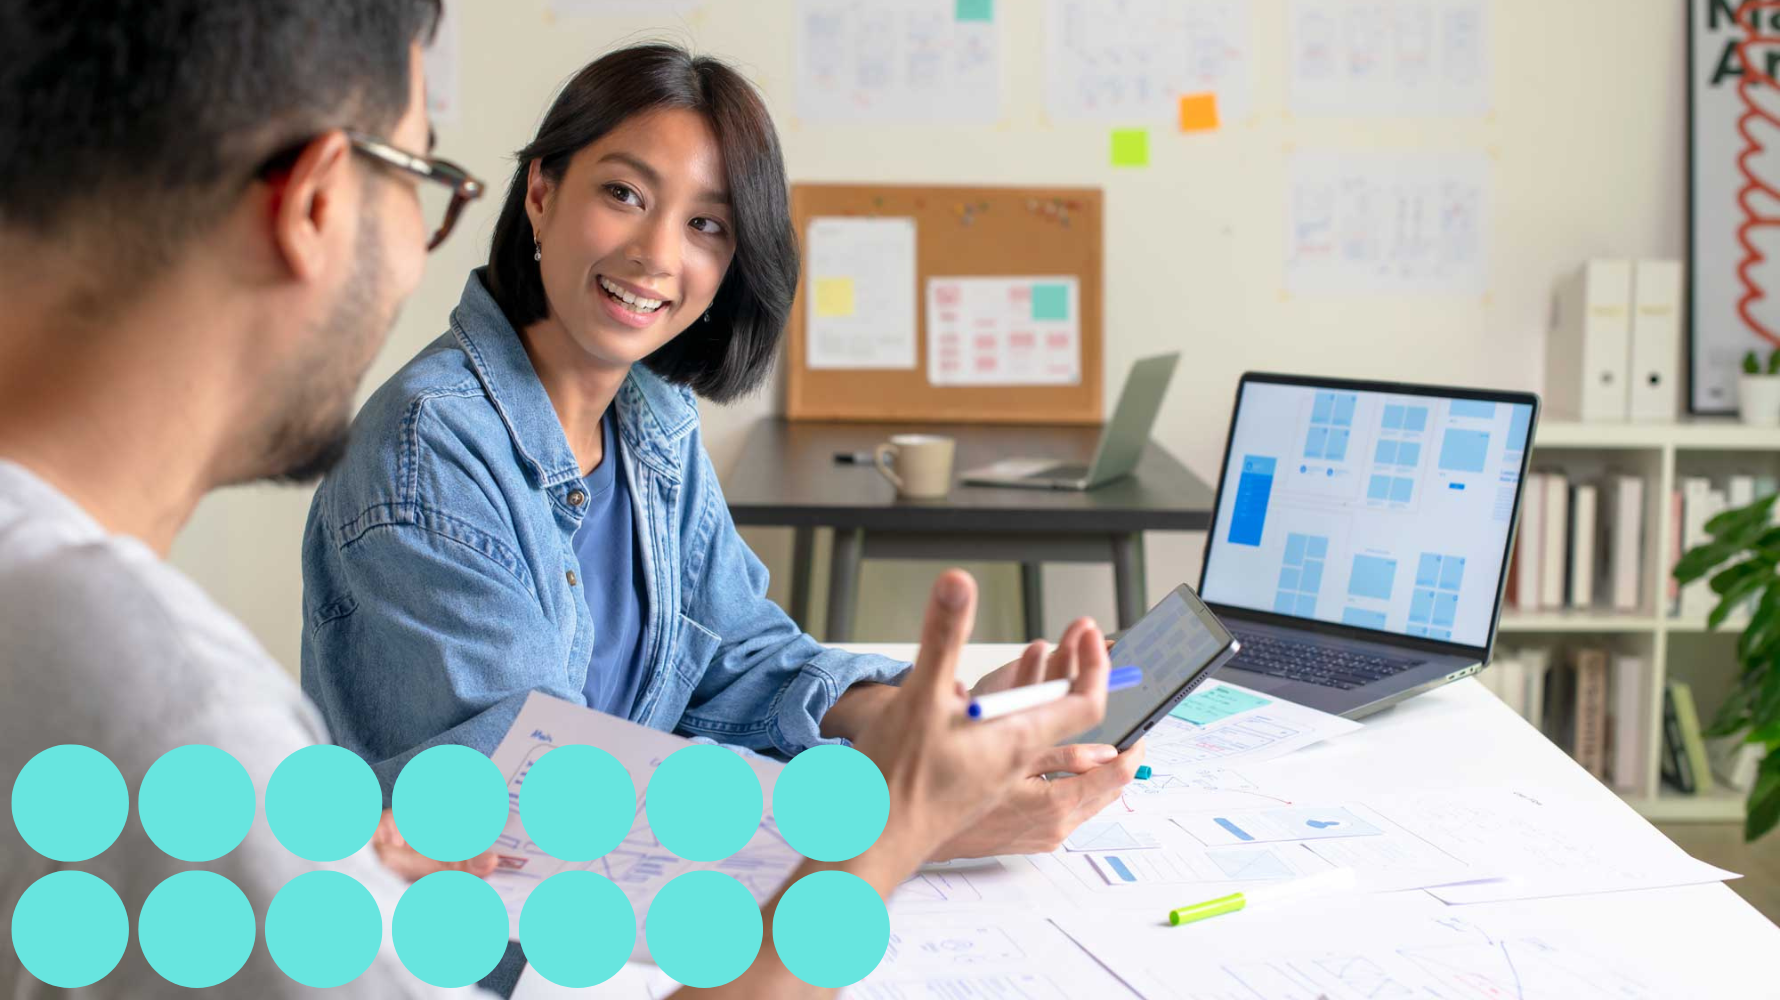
x: 208, y: 219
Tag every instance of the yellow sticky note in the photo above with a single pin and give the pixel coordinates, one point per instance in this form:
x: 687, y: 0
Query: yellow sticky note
x: 834, y: 297
x: 1198, y: 112
x: 1131, y: 147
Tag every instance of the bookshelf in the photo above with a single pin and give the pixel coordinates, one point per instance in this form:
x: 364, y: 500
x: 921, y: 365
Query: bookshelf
x: 1662, y: 454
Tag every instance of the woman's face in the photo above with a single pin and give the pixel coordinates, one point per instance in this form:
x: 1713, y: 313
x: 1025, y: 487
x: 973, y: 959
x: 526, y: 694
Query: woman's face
x: 636, y: 236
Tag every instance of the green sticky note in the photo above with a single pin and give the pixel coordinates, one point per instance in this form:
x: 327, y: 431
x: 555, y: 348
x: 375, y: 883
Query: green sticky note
x: 1219, y: 702
x: 974, y: 10
x: 1050, y: 301
x: 1131, y: 147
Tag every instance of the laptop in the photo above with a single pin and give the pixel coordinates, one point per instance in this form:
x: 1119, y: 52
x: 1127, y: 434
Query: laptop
x: 1361, y: 535
x: 1121, y: 440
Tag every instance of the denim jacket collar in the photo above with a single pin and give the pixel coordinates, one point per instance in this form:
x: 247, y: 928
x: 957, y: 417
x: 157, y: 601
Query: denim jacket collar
x: 653, y: 415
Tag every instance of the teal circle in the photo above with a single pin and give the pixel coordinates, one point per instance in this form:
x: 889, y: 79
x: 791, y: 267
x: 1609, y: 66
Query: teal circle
x: 831, y: 929
x: 323, y: 803
x: 577, y: 928
x: 323, y: 929
x: 831, y: 802
x: 196, y: 929
x: 703, y: 928
x: 577, y: 803
x: 69, y: 803
x: 703, y: 802
x: 450, y: 928
x: 69, y: 929
x: 196, y: 803
x: 450, y: 802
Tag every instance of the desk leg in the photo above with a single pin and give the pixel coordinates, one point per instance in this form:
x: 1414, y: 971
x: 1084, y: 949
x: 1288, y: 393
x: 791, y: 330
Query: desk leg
x: 1128, y: 585
x: 803, y: 556
x: 1032, y: 599
x: 843, y: 584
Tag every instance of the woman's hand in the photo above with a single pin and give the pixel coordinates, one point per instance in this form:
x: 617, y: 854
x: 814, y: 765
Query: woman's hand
x: 399, y: 857
x: 946, y: 772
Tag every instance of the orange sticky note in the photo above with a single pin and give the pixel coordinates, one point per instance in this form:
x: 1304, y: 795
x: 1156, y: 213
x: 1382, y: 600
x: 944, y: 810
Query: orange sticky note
x: 1198, y: 112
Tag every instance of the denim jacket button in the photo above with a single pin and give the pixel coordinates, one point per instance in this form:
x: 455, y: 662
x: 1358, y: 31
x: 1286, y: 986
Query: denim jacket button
x: 572, y: 580
x: 577, y: 498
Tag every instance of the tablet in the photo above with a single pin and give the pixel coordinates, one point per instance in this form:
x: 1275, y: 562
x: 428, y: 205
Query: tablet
x: 1178, y: 644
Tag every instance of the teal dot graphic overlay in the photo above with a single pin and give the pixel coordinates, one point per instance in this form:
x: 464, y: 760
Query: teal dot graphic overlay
x: 323, y: 929
x: 69, y: 929
x: 196, y: 929
x: 450, y: 928
x: 577, y: 928
x: 323, y: 803
x: 69, y: 803
x: 196, y: 803
x: 703, y: 802
x: 450, y: 802
x: 831, y: 802
x: 577, y: 803
x: 831, y: 929
x: 703, y: 927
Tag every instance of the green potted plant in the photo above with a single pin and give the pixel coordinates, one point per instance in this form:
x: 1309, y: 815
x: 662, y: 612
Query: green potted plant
x: 1758, y: 391
x: 1741, y: 558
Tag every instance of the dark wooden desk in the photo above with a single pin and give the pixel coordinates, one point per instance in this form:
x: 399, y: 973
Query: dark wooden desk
x: 786, y: 476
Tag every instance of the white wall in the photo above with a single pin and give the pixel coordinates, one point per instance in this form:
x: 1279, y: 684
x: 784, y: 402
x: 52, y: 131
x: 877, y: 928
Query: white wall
x: 1586, y: 141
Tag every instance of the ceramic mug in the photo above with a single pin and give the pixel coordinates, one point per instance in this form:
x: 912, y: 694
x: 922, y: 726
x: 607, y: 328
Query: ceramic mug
x: 923, y: 464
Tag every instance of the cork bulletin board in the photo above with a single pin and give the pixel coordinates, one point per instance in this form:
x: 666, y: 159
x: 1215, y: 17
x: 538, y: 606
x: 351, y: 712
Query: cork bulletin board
x: 1011, y: 276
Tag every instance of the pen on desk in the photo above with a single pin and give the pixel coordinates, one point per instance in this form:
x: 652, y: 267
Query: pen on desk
x: 1333, y: 880
x: 1033, y: 695
x: 854, y: 458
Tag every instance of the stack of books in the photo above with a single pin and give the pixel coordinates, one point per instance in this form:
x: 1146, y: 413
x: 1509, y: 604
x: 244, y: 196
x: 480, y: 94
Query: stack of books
x: 1588, y: 700
x: 1580, y: 545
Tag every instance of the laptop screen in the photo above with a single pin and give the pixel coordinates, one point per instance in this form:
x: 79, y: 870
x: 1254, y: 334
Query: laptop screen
x: 1385, y: 510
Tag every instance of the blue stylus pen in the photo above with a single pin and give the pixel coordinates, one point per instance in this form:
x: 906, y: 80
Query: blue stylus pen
x: 1033, y: 695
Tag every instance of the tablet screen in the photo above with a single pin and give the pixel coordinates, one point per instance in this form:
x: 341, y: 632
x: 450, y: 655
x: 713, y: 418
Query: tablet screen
x: 1174, y: 644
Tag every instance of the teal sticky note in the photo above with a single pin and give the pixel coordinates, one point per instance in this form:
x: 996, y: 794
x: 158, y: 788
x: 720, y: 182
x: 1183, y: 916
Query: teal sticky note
x: 1217, y: 703
x: 1050, y: 301
x: 974, y: 10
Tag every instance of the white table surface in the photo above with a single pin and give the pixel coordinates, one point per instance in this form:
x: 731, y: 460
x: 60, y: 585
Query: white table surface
x: 1463, y: 736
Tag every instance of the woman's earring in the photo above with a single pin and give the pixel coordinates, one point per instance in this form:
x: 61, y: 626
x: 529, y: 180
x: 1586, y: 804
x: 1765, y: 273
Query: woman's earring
x: 707, y: 315
x: 537, y: 249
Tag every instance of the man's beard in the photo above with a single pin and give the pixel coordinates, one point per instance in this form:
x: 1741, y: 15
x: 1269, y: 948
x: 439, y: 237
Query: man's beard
x: 313, y: 427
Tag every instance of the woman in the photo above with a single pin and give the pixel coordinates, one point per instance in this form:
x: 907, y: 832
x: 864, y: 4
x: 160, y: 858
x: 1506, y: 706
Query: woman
x: 528, y: 505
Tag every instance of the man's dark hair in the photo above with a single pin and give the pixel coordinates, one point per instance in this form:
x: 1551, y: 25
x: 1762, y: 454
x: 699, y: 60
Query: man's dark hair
x: 732, y: 353
x: 149, y: 117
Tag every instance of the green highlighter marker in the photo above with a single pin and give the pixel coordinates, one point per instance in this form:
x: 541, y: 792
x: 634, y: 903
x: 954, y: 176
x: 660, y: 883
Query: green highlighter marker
x: 1333, y: 880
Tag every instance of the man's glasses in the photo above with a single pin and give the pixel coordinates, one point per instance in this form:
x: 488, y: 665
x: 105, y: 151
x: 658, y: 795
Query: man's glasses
x: 446, y: 187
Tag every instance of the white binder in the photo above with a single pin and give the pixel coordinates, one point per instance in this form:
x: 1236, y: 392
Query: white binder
x: 1588, y: 355
x: 1656, y: 340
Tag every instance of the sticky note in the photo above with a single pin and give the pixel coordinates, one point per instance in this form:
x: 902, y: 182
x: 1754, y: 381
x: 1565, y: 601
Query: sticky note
x: 1131, y: 147
x: 1050, y: 302
x: 1198, y: 112
x: 834, y: 297
x: 1219, y: 702
x: 974, y: 10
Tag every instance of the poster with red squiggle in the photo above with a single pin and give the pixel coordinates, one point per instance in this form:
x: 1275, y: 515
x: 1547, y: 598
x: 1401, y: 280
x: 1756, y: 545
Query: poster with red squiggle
x: 1733, y: 193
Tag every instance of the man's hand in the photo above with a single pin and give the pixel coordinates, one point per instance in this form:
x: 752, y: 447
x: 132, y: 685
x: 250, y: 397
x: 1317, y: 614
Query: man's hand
x: 412, y: 865
x: 1039, y: 815
x: 1024, y: 671
x: 945, y: 772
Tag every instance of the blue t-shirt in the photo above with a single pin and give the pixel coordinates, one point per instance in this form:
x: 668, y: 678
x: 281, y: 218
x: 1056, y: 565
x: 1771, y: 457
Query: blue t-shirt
x: 611, y: 583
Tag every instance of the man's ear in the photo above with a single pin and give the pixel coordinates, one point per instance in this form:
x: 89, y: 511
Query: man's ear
x: 313, y: 201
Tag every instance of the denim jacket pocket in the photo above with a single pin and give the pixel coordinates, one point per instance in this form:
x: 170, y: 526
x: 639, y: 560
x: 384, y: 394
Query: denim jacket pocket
x: 697, y: 646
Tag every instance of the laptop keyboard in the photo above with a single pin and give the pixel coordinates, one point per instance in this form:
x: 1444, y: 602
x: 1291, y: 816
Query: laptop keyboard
x: 1313, y: 663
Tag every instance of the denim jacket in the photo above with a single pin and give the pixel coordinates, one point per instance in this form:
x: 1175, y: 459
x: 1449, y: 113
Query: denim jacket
x: 439, y: 568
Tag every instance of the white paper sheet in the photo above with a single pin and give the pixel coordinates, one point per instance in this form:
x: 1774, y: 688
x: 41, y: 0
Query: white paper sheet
x: 1387, y: 223
x: 987, y: 955
x: 1390, y: 57
x: 639, y: 866
x: 1271, y: 729
x: 443, y: 61
x: 1546, y: 844
x: 860, y: 293
x: 1132, y: 60
x: 929, y: 61
x: 1004, y: 331
x: 1399, y: 947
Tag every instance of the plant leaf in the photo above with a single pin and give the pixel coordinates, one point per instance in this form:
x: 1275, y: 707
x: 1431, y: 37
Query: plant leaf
x: 1733, y: 715
x: 1741, y: 519
x: 1699, y: 560
x: 1739, y: 592
x: 1725, y: 579
x: 1764, y: 799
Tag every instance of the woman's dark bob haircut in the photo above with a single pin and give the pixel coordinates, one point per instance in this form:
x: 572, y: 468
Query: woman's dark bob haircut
x: 733, y: 353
